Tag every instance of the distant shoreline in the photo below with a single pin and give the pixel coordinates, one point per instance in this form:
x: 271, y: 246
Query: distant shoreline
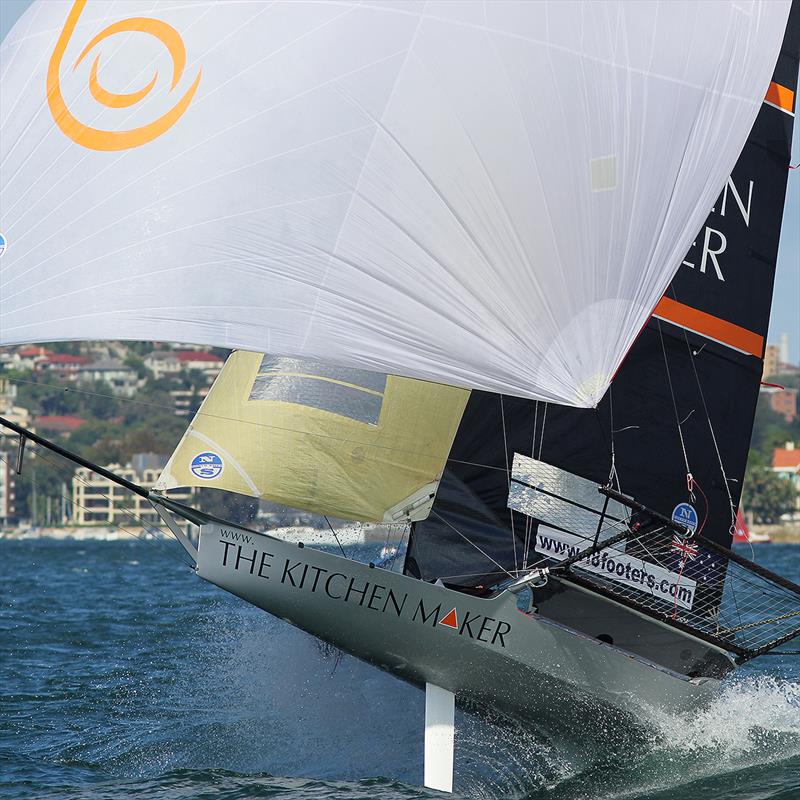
x: 785, y: 533
x: 103, y: 533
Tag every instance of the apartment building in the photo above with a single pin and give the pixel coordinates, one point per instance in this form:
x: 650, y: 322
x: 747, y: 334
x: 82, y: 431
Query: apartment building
x: 784, y: 402
x: 187, y: 401
x: 99, y: 501
x: 7, y: 487
x: 786, y: 462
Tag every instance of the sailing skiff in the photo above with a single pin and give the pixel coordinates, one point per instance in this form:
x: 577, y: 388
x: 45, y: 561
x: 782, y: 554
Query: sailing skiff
x: 464, y: 258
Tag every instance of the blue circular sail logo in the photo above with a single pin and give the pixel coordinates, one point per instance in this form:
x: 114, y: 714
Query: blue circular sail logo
x: 3, y: 245
x: 206, y: 466
x: 684, y: 514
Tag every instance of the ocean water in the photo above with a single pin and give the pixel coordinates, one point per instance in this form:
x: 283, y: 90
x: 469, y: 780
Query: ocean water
x: 122, y: 675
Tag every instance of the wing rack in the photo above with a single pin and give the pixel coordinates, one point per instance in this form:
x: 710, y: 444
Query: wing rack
x: 697, y: 585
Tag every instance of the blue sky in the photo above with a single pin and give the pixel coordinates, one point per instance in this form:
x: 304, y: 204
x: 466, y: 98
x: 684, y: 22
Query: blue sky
x: 786, y: 301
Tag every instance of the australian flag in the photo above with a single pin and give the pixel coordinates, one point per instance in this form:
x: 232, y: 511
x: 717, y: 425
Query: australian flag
x: 686, y: 548
x: 705, y: 568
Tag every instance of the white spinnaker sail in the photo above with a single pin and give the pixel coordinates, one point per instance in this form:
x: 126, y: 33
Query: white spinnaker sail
x: 489, y: 195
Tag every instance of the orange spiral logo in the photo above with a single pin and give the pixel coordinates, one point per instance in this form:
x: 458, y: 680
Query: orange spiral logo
x: 116, y: 140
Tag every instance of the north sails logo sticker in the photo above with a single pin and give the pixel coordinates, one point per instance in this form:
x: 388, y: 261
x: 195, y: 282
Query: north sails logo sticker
x: 684, y: 514
x: 3, y: 245
x: 206, y: 466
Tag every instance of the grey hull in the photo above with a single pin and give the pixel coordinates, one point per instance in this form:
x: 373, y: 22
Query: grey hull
x: 483, y: 650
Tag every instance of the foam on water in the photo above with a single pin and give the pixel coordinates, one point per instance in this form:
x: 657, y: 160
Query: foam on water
x: 754, y: 721
x: 749, y: 716
x: 296, y: 710
x: 134, y: 678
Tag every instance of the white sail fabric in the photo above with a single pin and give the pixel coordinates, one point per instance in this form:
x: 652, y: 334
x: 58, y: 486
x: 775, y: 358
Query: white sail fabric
x: 489, y: 195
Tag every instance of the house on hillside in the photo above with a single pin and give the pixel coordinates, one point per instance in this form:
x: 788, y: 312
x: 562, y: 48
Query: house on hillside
x: 58, y: 423
x: 122, y: 379
x: 163, y: 363
x: 786, y: 462
x: 169, y: 363
x: 207, y: 363
x: 62, y: 365
x: 28, y: 357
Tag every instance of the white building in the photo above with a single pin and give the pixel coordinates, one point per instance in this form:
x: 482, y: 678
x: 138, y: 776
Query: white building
x: 13, y: 413
x: 7, y: 486
x: 99, y: 501
x: 27, y: 357
x: 163, y: 363
x: 786, y: 462
x: 207, y: 363
x: 187, y: 400
x: 122, y: 379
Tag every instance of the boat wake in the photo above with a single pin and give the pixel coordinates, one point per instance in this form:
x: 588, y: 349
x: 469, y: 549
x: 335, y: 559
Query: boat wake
x: 752, y: 730
x: 228, y: 697
x: 293, y: 708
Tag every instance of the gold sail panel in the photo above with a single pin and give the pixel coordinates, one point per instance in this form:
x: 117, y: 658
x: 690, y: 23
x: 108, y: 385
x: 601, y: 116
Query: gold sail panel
x: 345, y: 442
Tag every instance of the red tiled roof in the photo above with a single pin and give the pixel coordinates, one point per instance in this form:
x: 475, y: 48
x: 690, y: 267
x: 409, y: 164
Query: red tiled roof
x: 62, y: 424
x: 27, y: 352
x: 63, y: 358
x: 190, y: 355
x: 786, y: 459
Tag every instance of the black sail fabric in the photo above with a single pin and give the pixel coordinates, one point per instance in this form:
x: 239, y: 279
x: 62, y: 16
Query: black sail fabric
x: 697, y: 362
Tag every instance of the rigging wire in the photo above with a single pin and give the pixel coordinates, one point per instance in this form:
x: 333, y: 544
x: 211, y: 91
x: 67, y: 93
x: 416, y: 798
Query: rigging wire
x: 391, y: 561
x: 508, y: 476
x: 528, y: 519
x: 725, y: 479
x: 689, y: 478
x: 198, y: 412
x: 612, y: 475
x: 334, y: 535
x: 541, y: 437
x: 172, y: 553
x: 471, y: 543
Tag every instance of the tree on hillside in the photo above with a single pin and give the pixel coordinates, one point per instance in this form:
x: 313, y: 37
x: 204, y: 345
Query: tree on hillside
x: 770, y: 429
x: 134, y: 362
x: 767, y: 496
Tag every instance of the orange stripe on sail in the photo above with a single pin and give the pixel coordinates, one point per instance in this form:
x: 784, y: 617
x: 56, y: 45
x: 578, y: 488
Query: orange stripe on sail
x: 780, y: 96
x: 710, y: 326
